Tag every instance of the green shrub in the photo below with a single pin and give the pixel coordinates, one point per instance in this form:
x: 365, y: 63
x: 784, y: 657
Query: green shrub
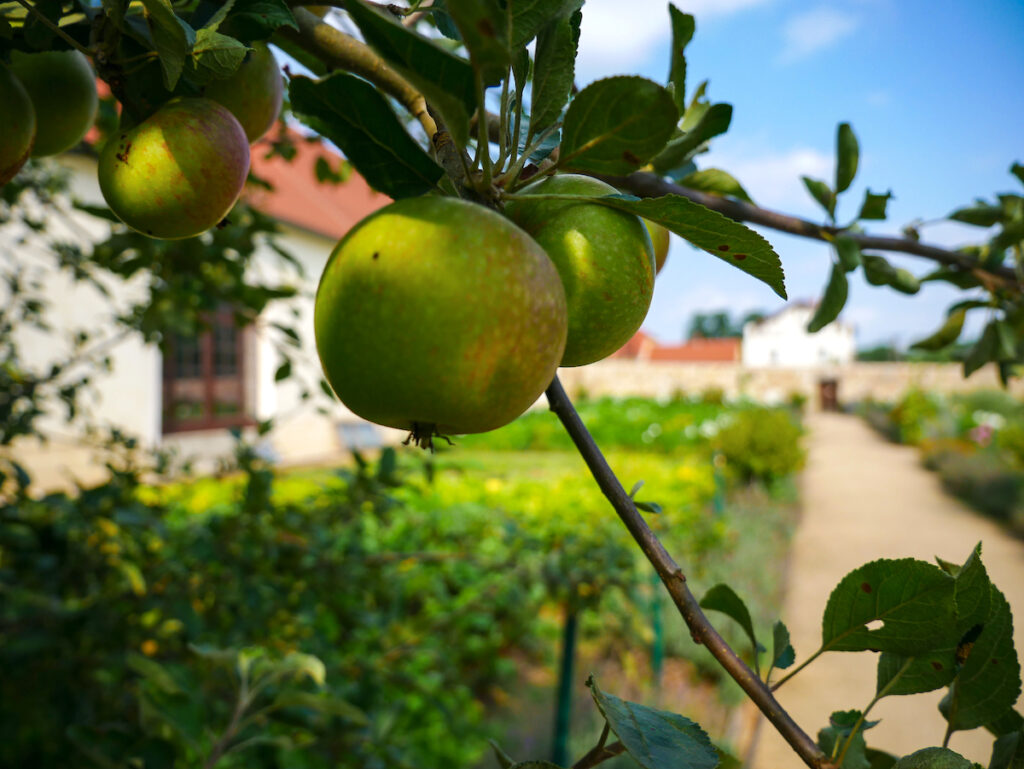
x: 913, y: 414
x: 985, y: 482
x: 1011, y: 440
x: 761, y: 445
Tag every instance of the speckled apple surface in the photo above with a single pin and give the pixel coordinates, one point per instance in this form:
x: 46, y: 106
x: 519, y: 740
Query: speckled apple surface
x: 660, y: 239
x: 62, y: 87
x: 439, y: 312
x: 604, y: 257
x: 253, y: 93
x: 179, y: 172
x: 19, y: 129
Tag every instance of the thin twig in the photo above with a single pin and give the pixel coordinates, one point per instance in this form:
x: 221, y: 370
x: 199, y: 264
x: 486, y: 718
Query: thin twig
x: 672, y: 576
x: 648, y: 185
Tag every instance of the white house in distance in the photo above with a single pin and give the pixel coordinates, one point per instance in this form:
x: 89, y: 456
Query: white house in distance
x: 782, y: 341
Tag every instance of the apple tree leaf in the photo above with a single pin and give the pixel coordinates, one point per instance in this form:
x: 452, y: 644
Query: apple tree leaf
x: 445, y: 79
x: 714, y: 120
x: 783, y: 653
x: 352, y: 114
x: 833, y: 737
x: 616, y: 125
x: 848, y: 252
x: 523, y: 19
x: 717, y: 182
x: 655, y: 739
x: 722, y: 598
x: 988, y: 682
x: 874, y: 205
x: 847, y: 155
x: 822, y: 193
x: 913, y: 599
x: 710, y: 231
x: 898, y: 674
x: 1008, y: 751
x: 215, y: 55
x: 553, y: 71
x: 172, y: 36
x: 832, y: 302
x: 485, y: 38
x: 258, y: 19
x: 683, y: 28
x: 933, y: 758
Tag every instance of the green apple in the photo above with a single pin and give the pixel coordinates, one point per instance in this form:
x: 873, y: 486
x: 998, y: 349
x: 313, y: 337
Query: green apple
x: 439, y: 316
x: 62, y: 87
x: 604, y: 257
x: 177, y: 173
x: 19, y: 129
x: 660, y: 238
x: 253, y: 93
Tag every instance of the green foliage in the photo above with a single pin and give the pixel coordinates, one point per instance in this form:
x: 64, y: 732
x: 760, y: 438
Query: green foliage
x: 761, y: 445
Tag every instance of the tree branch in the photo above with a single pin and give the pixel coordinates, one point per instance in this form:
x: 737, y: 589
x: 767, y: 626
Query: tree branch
x: 599, y: 754
x: 335, y: 48
x: 675, y: 581
x: 649, y: 185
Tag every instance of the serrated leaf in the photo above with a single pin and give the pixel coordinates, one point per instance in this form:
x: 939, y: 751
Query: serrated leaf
x: 1008, y: 752
x: 831, y: 738
x: 847, y: 156
x: 683, y: 27
x: 1010, y: 721
x: 821, y: 193
x: 988, y: 682
x: 879, y: 759
x: 973, y: 592
x: 616, y: 125
x: 259, y: 19
x: 979, y: 215
x: 874, y: 205
x: 722, y: 598
x: 783, y: 654
x: 715, y: 181
x: 913, y: 599
x: 710, y: 231
x: 898, y: 674
x: 1006, y: 342
x: 948, y: 333
x: 832, y: 302
x: 220, y: 13
x: 478, y: 22
x: 655, y: 739
x: 443, y: 78
x: 933, y: 758
x: 172, y: 37
x: 983, y: 351
x: 215, y: 55
x: 553, y: 72
x: 848, y: 252
x: 300, y: 664
x: 523, y: 19
x: 353, y: 114
x: 714, y: 120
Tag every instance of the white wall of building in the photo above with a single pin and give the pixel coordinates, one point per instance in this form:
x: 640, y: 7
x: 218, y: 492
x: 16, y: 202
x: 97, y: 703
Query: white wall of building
x: 782, y: 341
x: 129, y: 396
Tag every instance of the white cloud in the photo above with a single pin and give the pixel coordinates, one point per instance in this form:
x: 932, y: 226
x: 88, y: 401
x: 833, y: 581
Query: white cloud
x: 773, y: 178
x: 813, y: 30
x: 616, y: 36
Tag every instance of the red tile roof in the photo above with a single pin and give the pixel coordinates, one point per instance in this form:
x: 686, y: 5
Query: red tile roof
x: 299, y: 199
x: 697, y: 350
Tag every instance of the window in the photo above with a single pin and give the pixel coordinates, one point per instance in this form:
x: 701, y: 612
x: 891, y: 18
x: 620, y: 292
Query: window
x: 203, y: 378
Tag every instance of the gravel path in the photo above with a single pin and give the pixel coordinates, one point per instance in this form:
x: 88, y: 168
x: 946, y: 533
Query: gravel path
x: 864, y: 498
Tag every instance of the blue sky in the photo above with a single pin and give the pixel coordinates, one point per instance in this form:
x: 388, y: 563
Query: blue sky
x: 933, y: 91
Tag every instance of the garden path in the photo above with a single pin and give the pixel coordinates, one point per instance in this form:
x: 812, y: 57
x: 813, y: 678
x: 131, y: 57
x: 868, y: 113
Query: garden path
x: 864, y: 498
